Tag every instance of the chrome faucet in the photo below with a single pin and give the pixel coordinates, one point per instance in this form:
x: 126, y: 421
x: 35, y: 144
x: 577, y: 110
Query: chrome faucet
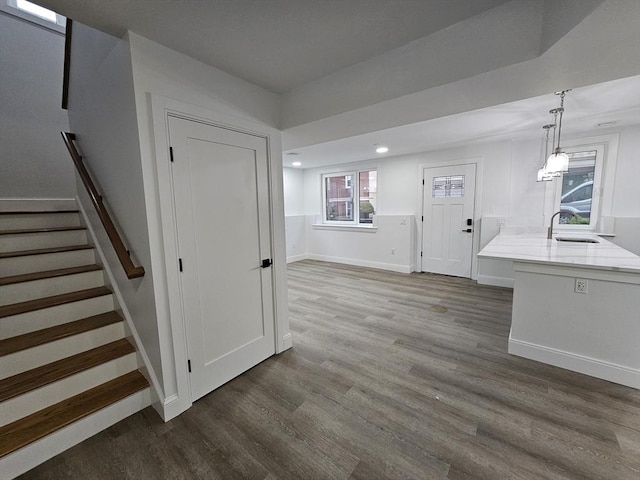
x: 550, y: 229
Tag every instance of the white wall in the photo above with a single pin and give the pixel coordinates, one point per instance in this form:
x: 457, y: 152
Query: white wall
x: 34, y: 162
x: 507, y: 190
x: 102, y: 114
x: 295, y: 220
x: 167, y: 80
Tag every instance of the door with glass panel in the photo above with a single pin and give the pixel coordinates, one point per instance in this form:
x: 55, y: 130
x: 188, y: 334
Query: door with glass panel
x: 447, y: 221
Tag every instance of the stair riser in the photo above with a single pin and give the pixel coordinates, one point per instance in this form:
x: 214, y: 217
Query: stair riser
x: 47, y: 287
x: 28, y: 241
x: 35, y: 220
x: 30, y: 402
x: 24, y: 360
x: 48, y: 317
x: 49, y: 261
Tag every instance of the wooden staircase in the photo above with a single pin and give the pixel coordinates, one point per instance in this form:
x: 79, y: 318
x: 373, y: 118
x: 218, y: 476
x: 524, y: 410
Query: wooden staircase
x: 64, y: 355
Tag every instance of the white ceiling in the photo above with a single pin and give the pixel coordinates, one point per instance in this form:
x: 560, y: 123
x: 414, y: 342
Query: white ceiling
x: 277, y: 44
x: 616, y: 101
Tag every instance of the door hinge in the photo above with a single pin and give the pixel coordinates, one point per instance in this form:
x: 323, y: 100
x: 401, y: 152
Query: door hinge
x: 266, y: 263
x: 420, y: 253
x: 423, y: 181
x: 180, y: 264
x: 189, y: 365
x: 171, y: 153
x: 423, y: 218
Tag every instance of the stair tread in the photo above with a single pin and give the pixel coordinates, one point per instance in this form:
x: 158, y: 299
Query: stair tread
x: 38, y: 377
x: 41, y: 230
x: 55, y: 300
x: 41, y: 251
x: 57, y: 332
x: 36, y: 212
x: 46, y: 421
x: 28, y: 277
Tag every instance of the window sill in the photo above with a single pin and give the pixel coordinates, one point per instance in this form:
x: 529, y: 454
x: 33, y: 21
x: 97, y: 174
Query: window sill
x: 345, y: 228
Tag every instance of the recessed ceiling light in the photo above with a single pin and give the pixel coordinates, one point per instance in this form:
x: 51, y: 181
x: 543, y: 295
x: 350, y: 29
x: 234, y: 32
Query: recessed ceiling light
x: 296, y: 164
x: 292, y: 154
x: 607, y: 124
x: 382, y: 150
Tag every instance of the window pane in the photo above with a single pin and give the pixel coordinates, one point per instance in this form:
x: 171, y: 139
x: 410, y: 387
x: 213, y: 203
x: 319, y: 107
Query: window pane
x: 339, y: 195
x: 577, y: 189
x: 368, y: 186
x: 451, y: 186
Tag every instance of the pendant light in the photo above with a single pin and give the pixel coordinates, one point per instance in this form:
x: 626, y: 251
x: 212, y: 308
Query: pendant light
x: 558, y: 161
x: 543, y: 175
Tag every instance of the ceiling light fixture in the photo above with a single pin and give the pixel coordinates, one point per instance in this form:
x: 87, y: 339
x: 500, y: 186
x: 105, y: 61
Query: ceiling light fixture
x: 558, y: 162
x: 382, y: 149
x: 296, y: 164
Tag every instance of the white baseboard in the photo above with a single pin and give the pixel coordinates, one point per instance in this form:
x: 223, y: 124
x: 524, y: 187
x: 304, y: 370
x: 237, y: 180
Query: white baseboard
x: 287, y: 342
x: 496, y: 281
x: 576, y: 363
x: 32, y: 455
x: 361, y: 263
x: 37, y: 204
x: 297, y: 258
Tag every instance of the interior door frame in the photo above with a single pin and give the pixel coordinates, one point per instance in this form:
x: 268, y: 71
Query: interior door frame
x: 475, y: 244
x: 171, y: 321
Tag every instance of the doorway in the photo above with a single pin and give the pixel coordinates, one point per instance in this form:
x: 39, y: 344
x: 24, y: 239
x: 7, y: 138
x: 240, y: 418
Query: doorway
x: 447, y: 221
x: 220, y: 181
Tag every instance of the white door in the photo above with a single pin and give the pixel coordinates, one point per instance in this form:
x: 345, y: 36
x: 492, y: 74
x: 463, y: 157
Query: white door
x: 447, y: 223
x: 221, y: 193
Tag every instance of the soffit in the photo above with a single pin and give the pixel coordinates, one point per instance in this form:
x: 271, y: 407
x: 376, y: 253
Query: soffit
x: 277, y: 44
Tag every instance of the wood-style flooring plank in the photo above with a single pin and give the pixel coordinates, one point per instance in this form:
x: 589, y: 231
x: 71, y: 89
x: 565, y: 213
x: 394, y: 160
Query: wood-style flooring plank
x: 391, y: 376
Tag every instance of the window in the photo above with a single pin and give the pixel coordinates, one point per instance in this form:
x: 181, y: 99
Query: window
x: 34, y: 13
x: 349, y: 198
x: 451, y: 186
x: 577, y: 190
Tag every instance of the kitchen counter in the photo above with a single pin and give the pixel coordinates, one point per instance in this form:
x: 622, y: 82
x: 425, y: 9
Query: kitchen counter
x: 575, y: 305
x: 536, y: 248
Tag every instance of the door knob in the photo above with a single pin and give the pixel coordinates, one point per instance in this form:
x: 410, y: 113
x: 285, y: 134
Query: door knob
x: 468, y: 230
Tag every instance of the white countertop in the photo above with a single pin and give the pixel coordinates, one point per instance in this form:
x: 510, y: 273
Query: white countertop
x: 536, y: 248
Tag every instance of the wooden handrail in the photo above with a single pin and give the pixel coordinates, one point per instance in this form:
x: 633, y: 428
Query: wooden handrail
x: 130, y: 269
x: 68, y: 31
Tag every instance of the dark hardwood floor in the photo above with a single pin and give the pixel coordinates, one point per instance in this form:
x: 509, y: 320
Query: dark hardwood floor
x: 391, y: 376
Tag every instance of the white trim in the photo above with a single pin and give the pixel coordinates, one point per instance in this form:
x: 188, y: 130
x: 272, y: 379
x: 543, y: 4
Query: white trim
x: 496, y: 281
x: 161, y: 108
x: 148, y: 370
x: 287, y: 341
x: 344, y: 227
x: 361, y: 263
x: 477, y: 207
x: 297, y: 258
x: 34, y: 454
x: 576, y: 363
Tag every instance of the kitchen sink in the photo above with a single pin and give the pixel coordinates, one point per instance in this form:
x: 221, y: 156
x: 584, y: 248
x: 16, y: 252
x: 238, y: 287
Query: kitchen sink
x: 577, y: 240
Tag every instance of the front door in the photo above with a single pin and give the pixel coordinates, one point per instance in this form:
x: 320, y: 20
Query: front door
x: 447, y: 224
x: 221, y: 192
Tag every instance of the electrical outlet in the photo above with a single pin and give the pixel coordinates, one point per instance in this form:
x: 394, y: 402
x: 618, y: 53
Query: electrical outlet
x: 393, y: 251
x: 581, y: 285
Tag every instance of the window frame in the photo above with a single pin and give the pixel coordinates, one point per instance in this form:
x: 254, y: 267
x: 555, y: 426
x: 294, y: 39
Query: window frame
x: 604, y: 190
x: 355, y: 174
x: 10, y: 7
